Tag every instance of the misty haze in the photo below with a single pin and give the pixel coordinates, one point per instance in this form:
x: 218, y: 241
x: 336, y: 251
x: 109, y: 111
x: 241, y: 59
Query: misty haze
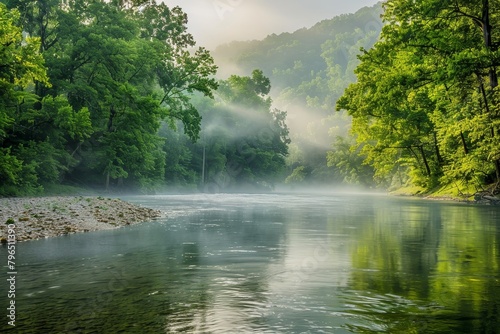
x: 250, y: 167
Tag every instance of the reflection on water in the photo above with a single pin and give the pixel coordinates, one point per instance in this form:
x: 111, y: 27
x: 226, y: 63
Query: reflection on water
x: 270, y: 264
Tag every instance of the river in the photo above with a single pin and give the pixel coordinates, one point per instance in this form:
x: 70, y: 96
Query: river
x: 269, y: 263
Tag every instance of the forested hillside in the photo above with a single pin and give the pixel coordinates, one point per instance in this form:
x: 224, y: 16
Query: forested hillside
x: 309, y: 70
x: 88, y: 107
x: 424, y: 109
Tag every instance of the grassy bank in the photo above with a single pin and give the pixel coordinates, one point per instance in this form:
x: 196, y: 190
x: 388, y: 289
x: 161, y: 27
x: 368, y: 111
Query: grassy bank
x: 456, y: 192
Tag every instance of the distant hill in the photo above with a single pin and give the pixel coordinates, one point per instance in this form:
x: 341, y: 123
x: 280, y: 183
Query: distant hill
x: 309, y: 70
x: 288, y: 59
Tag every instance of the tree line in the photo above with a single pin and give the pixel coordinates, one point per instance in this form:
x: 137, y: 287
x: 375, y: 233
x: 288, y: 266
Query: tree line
x: 91, y: 92
x: 425, y: 107
x: 114, y: 95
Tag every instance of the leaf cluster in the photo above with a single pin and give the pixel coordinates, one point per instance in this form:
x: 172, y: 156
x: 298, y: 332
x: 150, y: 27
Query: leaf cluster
x: 426, y: 98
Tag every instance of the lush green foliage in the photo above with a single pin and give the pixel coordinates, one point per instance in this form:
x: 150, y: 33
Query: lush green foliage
x: 20, y: 65
x: 117, y: 70
x: 425, y: 107
x: 94, y: 99
x: 122, y: 80
x: 92, y: 93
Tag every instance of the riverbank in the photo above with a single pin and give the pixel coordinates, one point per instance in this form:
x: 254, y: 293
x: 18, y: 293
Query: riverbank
x: 453, y: 193
x: 43, y: 217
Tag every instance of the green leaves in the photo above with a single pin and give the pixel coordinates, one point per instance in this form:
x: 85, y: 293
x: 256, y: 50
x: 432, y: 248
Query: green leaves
x: 76, y: 125
x: 20, y: 66
x: 241, y: 144
x: 427, y: 93
x: 117, y: 70
x: 20, y: 62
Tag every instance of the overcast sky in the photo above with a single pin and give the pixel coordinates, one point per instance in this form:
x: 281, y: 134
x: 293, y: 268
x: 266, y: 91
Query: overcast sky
x: 214, y: 22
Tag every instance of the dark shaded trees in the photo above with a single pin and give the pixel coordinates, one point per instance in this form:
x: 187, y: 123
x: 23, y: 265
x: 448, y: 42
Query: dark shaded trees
x: 117, y: 70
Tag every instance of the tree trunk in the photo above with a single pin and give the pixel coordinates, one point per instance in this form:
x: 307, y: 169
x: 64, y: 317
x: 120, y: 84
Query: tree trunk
x: 487, y: 30
x: 464, y: 143
x: 414, y: 154
x: 107, y: 181
x: 483, y: 93
x: 424, y: 158
x: 497, y: 169
x: 203, y: 168
x: 112, y: 114
x: 436, y: 148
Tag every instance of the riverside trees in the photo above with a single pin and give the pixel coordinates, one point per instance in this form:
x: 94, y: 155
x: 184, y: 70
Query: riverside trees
x: 117, y: 69
x: 243, y: 144
x: 20, y: 65
x: 426, y: 105
x: 93, y: 90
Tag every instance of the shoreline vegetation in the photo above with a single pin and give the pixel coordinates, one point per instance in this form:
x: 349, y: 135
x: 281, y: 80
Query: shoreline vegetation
x: 43, y: 217
x: 486, y: 196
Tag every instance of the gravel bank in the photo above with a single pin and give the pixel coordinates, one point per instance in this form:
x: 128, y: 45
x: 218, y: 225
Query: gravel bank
x: 43, y: 217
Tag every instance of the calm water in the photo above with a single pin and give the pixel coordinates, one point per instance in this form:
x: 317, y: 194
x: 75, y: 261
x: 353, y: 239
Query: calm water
x: 275, y: 263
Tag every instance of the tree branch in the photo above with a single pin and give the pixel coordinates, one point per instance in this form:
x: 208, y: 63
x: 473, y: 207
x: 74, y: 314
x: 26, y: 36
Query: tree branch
x: 476, y: 19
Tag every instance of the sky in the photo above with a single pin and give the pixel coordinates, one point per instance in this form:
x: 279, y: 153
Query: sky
x: 215, y: 22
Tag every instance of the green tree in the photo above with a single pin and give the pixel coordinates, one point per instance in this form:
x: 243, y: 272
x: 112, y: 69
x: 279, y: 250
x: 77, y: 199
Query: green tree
x: 122, y: 67
x: 260, y: 140
x: 20, y: 66
x: 348, y: 162
x: 243, y: 139
x: 426, y: 95
x: 389, y: 115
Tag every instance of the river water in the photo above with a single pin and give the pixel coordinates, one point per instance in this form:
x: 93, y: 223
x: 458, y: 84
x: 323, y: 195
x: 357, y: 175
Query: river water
x: 269, y: 263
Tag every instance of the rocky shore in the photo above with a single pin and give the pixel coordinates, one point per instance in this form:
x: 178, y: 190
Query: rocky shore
x: 43, y: 217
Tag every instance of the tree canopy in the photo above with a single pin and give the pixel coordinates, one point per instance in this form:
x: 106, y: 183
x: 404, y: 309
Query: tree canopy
x: 20, y: 66
x: 92, y: 93
x: 425, y: 106
x: 88, y: 84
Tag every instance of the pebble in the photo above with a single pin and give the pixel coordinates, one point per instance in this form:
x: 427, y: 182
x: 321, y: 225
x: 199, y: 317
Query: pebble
x: 44, y: 217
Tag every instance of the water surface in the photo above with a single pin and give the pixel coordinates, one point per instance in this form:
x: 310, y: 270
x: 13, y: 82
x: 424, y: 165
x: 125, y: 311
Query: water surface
x: 270, y: 263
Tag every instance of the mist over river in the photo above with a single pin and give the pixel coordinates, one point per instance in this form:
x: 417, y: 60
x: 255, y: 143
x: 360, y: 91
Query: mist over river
x: 269, y: 263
